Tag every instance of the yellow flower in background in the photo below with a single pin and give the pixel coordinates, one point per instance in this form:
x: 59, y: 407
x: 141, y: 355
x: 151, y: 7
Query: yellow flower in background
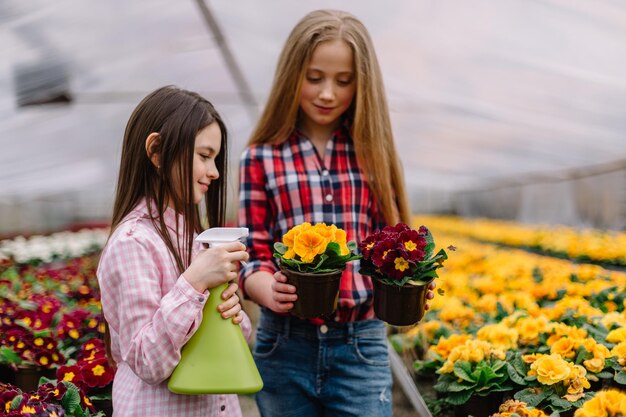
x: 576, y: 382
x: 550, y: 369
x: 606, y: 403
x: 511, y: 407
x: 529, y: 329
x: 619, y: 351
x: 472, y: 351
x: 613, y: 318
x: 558, y: 330
x: 617, y: 335
x: 445, y: 345
x: 565, y: 347
x: 499, y: 335
x: 488, y: 303
x: 457, y: 314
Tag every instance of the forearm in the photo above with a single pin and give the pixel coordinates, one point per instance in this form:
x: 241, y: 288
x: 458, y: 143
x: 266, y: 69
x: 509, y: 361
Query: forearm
x: 258, y: 286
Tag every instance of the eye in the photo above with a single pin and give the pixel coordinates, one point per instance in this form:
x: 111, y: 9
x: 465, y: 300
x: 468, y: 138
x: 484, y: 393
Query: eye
x: 313, y: 80
x: 344, y: 82
x: 204, y: 157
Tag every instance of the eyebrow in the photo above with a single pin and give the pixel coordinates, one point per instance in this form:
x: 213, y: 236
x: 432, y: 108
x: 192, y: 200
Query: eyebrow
x: 350, y: 72
x: 206, y: 148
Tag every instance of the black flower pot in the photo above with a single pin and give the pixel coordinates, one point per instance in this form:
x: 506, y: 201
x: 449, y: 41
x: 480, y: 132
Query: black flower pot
x: 317, y: 293
x: 479, y: 406
x: 399, y: 305
x: 27, y: 377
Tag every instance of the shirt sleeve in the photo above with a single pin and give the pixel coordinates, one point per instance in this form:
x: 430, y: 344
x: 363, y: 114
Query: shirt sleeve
x: 256, y: 212
x: 152, y: 326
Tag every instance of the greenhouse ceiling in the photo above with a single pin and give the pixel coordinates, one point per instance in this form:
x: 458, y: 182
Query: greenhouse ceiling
x: 479, y: 91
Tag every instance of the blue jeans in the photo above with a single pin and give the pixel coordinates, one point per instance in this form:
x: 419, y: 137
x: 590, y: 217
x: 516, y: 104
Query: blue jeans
x: 338, y: 369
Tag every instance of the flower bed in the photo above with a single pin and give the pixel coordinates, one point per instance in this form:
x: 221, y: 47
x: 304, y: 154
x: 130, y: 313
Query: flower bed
x: 51, y: 317
x: 548, y: 332
x: 582, y: 245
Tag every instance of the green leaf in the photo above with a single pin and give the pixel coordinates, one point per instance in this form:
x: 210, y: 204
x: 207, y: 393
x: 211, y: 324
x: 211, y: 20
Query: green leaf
x: 605, y: 374
x: 620, y: 377
x: 15, y: 403
x: 463, y: 369
x: 559, y: 402
x: 458, y: 387
x: 280, y: 248
x: 530, y: 397
x: 442, y: 384
x: 71, y: 399
x: 7, y: 355
x: 514, y: 375
x: 458, y: 398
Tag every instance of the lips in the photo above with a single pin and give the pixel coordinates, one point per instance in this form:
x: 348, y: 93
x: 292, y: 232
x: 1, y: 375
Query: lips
x: 324, y: 110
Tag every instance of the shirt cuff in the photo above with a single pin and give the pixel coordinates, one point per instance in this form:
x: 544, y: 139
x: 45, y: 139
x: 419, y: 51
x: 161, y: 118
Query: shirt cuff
x: 190, y: 292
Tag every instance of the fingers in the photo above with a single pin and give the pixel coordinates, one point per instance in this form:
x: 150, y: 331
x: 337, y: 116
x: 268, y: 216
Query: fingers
x: 232, y: 246
x: 229, y: 291
x: 432, y: 285
x: 230, y: 307
x: 430, y: 295
x: 238, y: 318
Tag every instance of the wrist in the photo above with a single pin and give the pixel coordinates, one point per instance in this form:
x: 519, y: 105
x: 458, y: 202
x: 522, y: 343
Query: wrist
x: 195, y: 283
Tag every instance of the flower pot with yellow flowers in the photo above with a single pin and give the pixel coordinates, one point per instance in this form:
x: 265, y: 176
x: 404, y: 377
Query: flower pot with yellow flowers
x: 313, y: 258
x: 402, y: 263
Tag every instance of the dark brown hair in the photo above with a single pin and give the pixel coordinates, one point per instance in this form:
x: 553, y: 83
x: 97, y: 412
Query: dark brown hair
x: 177, y: 116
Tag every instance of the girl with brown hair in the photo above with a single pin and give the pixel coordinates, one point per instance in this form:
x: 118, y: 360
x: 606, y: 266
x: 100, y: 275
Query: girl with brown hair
x: 153, y: 277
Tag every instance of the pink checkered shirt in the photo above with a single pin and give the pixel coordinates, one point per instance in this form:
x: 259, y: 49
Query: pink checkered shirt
x: 152, y: 312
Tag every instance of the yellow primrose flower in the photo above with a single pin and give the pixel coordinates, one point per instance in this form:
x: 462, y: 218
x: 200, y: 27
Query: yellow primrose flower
x: 606, y: 403
x: 499, y: 335
x: 565, y: 346
x: 302, y: 245
x: 308, y: 245
x: 445, y: 345
x: 617, y: 335
x: 613, y: 318
x: 529, y: 329
x: 550, y: 369
x: 619, y: 351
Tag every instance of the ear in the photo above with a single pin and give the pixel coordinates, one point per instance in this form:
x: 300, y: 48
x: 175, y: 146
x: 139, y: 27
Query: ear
x: 153, y: 149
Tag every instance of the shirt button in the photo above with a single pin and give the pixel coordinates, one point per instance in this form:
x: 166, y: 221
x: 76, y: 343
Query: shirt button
x: 201, y: 299
x: 329, y: 197
x: 325, y: 172
x: 324, y: 329
x: 223, y: 408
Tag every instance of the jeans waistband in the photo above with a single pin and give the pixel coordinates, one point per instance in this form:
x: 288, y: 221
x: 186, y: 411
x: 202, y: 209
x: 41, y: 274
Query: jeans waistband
x: 293, y: 326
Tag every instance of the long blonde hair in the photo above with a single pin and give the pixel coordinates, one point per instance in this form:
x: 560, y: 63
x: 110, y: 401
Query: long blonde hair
x: 368, y: 114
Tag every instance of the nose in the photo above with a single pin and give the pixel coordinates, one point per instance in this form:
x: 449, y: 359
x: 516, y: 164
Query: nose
x: 212, y: 171
x: 327, y: 91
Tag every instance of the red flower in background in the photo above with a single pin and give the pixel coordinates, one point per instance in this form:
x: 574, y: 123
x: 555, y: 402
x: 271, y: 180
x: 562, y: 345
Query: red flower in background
x: 97, y: 373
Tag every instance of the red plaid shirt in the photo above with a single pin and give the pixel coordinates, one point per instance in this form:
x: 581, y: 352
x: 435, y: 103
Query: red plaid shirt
x: 287, y: 184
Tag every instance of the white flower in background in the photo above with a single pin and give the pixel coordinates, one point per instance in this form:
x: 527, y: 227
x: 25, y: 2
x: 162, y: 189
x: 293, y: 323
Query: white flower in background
x: 61, y: 245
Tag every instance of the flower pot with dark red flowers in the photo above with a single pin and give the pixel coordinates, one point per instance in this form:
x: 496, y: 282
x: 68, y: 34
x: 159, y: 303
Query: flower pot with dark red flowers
x: 313, y: 258
x: 402, y: 263
x: 400, y: 305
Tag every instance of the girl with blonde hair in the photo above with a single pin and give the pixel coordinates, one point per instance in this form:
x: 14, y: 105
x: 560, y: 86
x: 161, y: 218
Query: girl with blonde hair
x: 322, y: 151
